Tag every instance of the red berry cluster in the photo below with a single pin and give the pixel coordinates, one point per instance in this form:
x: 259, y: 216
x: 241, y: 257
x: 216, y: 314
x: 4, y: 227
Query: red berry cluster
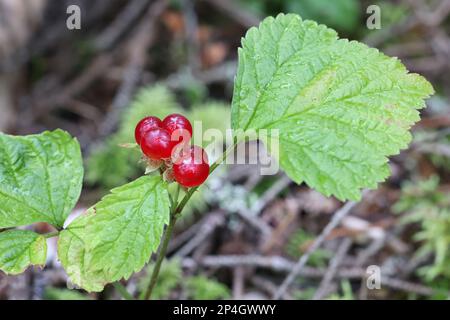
x: 160, y: 140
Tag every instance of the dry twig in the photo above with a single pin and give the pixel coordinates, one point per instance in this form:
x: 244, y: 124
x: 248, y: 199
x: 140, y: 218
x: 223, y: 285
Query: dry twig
x: 338, y: 216
x: 323, y: 289
x: 280, y: 264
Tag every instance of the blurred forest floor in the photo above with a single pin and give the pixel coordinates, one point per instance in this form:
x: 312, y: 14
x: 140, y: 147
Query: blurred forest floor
x: 243, y: 232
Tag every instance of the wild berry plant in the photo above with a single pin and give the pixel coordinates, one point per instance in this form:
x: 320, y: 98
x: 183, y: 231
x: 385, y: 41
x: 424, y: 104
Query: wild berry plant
x: 341, y: 109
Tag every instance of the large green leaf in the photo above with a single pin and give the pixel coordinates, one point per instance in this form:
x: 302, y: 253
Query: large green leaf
x: 40, y: 178
x: 116, y: 236
x: 340, y: 107
x: 21, y: 248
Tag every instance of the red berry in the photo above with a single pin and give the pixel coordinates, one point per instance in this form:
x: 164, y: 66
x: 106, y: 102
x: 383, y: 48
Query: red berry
x: 145, y: 125
x: 156, y: 144
x: 192, y: 169
x: 174, y: 122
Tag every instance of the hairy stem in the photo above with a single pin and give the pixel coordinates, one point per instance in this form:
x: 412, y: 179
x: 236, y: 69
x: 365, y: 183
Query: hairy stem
x: 161, y: 255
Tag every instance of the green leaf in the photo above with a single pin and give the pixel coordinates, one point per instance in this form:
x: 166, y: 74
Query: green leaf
x: 117, y: 236
x: 75, y: 258
x: 341, y: 108
x: 127, y: 226
x: 21, y: 248
x: 40, y: 178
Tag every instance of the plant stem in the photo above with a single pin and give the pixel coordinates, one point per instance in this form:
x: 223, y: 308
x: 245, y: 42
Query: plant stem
x: 175, y: 197
x: 161, y: 255
x: 51, y: 234
x: 184, y: 201
x: 123, y: 291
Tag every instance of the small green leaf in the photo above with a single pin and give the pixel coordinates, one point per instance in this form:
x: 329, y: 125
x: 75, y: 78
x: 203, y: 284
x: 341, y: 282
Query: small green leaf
x: 341, y: 108
x: 21, y: 248
x: 117, y: 235
x: 40, y: 178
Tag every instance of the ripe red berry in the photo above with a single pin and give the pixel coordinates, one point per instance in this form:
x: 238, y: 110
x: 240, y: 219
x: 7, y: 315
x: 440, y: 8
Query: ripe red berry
x: 156, y: 144
x: 192, y: 169
x: 145, y: 125
x: 174, y: 122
